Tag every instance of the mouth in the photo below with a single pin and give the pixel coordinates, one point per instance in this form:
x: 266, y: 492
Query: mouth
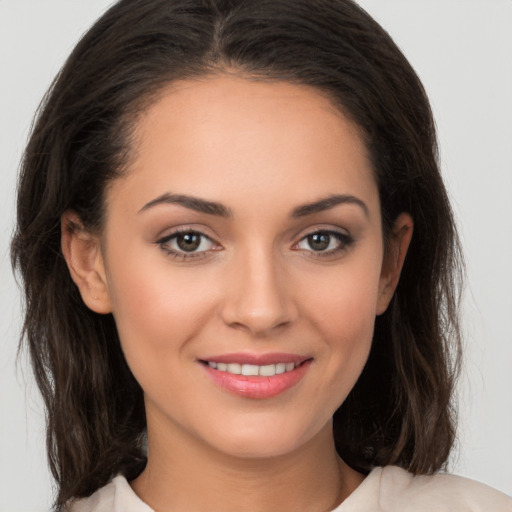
x: 256, y: 376
x: 267, y: 370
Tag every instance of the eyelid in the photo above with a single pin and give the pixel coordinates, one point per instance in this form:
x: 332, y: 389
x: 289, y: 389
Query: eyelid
x: 345, y: 238
x: 322, y: 228
x: 184, y: 255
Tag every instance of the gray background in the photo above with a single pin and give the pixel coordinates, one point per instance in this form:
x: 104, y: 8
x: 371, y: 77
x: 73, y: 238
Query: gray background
x: 462, y: 51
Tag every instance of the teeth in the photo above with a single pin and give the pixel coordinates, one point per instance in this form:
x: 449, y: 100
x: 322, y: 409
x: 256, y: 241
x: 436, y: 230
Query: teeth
x: 235, y: 368
x: 280, y: 368
x: 268, y: 370
x: 250, y: 369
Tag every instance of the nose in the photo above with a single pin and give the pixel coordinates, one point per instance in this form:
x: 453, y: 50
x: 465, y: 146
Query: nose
x: 258, y: 295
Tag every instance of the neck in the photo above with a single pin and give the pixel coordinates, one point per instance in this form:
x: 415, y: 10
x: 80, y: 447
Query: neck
x: 192, y: 476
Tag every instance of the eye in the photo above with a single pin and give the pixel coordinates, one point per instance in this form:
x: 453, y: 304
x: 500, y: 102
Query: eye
x: 186, y: 243
x: 325, y: 241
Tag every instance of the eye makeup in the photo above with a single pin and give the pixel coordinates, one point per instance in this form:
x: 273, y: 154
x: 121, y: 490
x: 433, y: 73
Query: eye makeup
x: 186, y: 243
x: 325, y: 242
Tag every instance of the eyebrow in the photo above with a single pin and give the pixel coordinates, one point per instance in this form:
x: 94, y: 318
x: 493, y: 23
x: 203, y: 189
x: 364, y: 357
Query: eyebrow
x: 328, y: 203
x: 218, y: 209
x: 190, y: 202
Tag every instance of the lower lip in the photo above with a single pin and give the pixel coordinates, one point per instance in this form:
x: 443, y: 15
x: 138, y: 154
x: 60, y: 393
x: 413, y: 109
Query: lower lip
x: 257, y: 387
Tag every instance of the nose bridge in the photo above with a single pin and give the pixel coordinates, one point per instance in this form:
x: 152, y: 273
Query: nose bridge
x: 259, y: 299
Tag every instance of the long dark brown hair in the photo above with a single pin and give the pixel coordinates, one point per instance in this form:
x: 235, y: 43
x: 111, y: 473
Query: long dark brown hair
x: 399, y: 412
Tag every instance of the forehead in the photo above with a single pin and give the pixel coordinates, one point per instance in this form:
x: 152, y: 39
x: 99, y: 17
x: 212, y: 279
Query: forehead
x: 222, y: 137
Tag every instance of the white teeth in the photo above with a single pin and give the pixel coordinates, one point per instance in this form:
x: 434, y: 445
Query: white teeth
x: 235, y: 368
x: 268, y: 370
x: 250, y: 369
x: 280, y: 368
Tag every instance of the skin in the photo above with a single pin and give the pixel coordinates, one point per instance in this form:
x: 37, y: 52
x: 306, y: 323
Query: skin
x: 256, y: 285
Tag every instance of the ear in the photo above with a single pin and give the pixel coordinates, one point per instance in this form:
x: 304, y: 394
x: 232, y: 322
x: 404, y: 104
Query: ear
x: 394, y: 258
x: 82, y: 252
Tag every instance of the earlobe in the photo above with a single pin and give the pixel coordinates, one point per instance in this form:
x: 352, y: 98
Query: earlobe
x: 82, y: 252
x: 394, y: 260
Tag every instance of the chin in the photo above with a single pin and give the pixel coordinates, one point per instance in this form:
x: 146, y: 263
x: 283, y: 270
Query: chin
x: 258, y: 442
x: 260, y: 449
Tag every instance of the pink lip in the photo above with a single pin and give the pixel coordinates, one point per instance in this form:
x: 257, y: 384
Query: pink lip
x: 259, y: 359
x: 258, y: 387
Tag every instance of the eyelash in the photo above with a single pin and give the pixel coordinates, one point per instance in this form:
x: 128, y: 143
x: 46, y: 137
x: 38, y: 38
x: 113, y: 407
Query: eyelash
x: 345, y: 241
x: 184, y: 255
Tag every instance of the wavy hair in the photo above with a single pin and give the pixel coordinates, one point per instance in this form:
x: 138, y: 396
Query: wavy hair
x: 400, y: 410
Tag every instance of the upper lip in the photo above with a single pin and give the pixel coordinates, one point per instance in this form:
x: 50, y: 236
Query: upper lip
x: 257, y: 359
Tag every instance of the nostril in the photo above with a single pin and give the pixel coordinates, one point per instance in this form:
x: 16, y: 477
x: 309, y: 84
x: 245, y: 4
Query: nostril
x: 257, y: 299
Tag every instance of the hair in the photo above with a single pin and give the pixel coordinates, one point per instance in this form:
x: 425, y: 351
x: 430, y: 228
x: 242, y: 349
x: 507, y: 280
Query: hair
x: 400, y: 410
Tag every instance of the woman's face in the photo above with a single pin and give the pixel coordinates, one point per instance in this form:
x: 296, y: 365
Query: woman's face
x: 244, y: 237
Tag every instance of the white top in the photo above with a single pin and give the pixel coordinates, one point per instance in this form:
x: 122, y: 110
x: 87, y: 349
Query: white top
x: 389, y: 489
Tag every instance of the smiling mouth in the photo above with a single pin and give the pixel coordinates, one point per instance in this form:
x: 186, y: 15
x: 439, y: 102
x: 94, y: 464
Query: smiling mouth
x: 240, y: 374
x: 267, y: 370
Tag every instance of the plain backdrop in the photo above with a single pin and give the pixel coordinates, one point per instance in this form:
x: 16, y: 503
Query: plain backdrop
x: 462, y: 51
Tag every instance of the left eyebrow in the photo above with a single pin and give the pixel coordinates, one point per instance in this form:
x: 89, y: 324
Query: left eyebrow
x: 328, y: 203
x: 190, y: 202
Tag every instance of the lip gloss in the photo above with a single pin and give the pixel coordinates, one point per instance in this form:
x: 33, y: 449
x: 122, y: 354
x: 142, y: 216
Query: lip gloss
x: 257, y: 386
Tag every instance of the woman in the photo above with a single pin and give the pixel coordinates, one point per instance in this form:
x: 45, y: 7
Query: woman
x: 237, y: 248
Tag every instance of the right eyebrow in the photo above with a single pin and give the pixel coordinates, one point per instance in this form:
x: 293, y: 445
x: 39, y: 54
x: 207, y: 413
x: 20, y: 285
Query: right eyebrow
x: 190, y: 202
x: 328, y: 203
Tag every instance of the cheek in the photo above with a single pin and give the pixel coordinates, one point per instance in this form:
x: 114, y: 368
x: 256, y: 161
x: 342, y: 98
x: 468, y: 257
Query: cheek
x: 156, y: 306
x: 348, y: 331
x: 345, y: 314
x: 345, y: 300
x: 157, y: 315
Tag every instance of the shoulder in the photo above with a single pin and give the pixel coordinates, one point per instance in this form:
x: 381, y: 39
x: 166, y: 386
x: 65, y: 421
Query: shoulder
x: 392, y: 488
x: 116, y: 496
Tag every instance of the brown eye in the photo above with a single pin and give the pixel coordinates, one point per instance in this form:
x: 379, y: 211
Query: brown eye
x: 188, y: 242
x: 319, y: 241
x: 326, y: 242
